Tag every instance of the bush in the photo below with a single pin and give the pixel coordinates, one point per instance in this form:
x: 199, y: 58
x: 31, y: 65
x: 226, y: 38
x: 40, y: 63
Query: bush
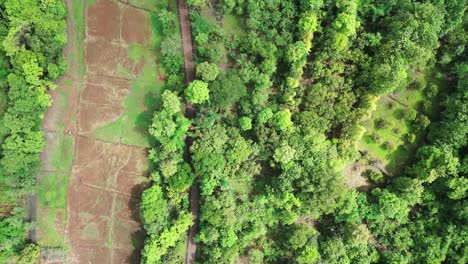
x: 410, y: 138
x: 381, y: 123
x: 388, y: 146
x: 30, y: 254
x: 197, y: 92
x: 421, y: 122
x: 426, y: 105
x: 245, y: 123
x: 375, y: 176
x: 265, y: 115
x: 420, y: 85
x: 431, y: 90
x: 207, y: 71
x: 410, y: 114
x: 375, y: 138
x: 397, y: 131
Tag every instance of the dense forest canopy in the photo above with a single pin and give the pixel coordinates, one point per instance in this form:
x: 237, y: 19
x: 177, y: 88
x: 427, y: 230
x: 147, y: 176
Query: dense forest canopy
x: 284, y: 94
x: 32, y: 34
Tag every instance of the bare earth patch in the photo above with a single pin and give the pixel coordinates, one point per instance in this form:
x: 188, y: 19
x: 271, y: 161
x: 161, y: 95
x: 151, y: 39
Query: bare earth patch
x: 354, y: 178
x: 108, y: 177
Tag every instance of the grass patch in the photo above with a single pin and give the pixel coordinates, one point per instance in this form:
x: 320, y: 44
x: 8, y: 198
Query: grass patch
x: 52, y: 190
x: 77, y: 55
x: 405, y: 99
x: 232, y: 25
x: 377, y: 141
x: 50, y: 226
x: 146, y: 4
x: 132, y: 127
x: 52, y: 197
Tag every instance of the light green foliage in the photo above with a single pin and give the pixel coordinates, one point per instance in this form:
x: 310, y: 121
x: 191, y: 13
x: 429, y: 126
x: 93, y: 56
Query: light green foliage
x: 264, y: 116
x: 157, y: 246
x: 410, y: 114
x: 30, y: 254
x: 282, y: 120
x: 32, y: 34
x: 307, y: 23
x: 168, y: 21
x: 275, y: 194
x: 154, y: 206
x: 245, y: 123
x: 284, y: 154
x: 435, y: 163
x: 197, y: 92
x: 296, y: 54
x: 309, y: 255
x: 196, y: 3
x: 207, y: 71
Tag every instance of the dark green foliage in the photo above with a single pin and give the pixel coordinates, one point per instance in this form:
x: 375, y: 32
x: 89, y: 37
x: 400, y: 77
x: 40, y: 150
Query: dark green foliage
x: 227, y: 90
x: 12, y: 231
x: 381, y: 123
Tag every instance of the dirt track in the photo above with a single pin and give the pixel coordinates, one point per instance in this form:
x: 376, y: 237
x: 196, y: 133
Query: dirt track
x: 190, y: 112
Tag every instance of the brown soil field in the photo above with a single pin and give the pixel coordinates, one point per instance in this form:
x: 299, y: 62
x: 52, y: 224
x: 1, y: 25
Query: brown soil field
x: 107, y: 177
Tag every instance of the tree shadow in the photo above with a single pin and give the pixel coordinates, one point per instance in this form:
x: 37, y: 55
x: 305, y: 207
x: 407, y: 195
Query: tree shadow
x: 138, y: 237
x: 152, y: 100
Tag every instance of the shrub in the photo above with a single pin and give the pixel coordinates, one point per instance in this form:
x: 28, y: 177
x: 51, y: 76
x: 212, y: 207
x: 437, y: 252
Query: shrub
x: 375, y: 176
x: 381, y: 123
x: 264, y: 115
x: 388, y: 146
x: 431, y: 90
x: 375, y: 138
x: 421, y: 85
x: 197, y: 92
x: 30, y: 254
x: 245, y: 123
x: 397, y: 131
x: 207, y: 71
x: 410, y: 114
x: 421, y: 122
x: 410, y: 137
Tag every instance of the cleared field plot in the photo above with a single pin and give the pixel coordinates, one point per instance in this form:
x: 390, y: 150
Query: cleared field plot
x: 96, y: 158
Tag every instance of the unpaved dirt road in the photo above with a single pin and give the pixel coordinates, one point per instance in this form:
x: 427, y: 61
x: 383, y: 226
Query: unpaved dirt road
x: 190, y: 112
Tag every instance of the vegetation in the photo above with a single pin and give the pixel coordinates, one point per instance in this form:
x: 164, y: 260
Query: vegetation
x: 164, y: 206
x: 295, y: 91
x: 288, y: 93
x: 32, y: 34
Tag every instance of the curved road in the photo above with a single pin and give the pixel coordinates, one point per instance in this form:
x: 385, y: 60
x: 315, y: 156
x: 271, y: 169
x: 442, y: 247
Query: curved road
x: 190, y: 112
